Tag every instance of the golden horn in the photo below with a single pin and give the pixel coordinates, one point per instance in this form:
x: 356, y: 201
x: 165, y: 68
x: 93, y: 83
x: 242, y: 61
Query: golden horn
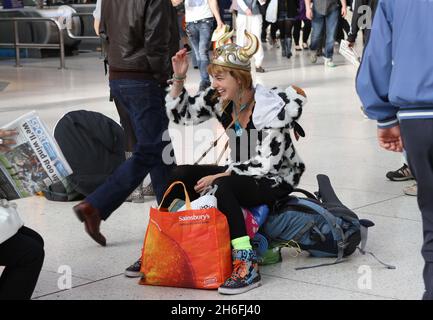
x: 222, y: 40
x: 253, y: 45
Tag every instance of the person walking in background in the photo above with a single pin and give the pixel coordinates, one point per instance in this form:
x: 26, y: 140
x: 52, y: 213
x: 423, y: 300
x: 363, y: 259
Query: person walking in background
x: 324, y: 15
x: 287, y: 14
x: 250, y: 19
x: 363, y: 14
x: 306, y: 29
x: 199, y: 17
x: 266, y: 25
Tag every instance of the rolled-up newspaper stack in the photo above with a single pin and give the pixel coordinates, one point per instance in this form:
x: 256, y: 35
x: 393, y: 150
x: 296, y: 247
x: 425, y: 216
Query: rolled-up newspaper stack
x: 349, y: 53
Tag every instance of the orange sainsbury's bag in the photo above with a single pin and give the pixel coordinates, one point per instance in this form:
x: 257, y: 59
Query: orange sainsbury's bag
x: 189, y: 249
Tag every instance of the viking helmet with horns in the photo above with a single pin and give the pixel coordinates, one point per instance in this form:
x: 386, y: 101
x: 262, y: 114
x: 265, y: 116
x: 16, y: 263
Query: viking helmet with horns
x: 232, y: 55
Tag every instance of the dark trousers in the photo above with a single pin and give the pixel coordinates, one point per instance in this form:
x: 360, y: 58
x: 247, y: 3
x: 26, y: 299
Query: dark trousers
x: 233, y: 193
x: 144, y: 102
x: 23, y: 256
x: 306, y: 31
x: 418, y: 142
x: 343, y: 27
x: 125, y: 122
x: 274, y: 29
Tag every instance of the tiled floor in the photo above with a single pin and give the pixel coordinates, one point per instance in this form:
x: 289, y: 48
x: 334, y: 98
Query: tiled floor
x: 339, y: 143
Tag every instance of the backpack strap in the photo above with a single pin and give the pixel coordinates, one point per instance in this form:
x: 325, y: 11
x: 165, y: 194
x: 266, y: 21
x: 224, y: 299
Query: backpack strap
x: 305, y: 193
x: 364, y: 237
x: 214, y: 144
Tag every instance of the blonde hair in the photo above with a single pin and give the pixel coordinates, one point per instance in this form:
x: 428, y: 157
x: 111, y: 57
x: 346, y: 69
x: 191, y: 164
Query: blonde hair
x: 242, y: 76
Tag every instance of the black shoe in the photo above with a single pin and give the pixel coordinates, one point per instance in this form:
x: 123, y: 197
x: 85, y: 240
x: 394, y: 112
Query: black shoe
x: 91, y: 217
x: 260, y: 70
x: 133, y: 271
x: 402, y: 174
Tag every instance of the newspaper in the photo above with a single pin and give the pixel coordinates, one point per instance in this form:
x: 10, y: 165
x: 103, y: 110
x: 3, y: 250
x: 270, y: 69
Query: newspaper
x: 349, y: 53
x: 33, y: 163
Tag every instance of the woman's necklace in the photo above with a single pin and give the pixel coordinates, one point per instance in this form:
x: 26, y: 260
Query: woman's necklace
x: 238, y: 128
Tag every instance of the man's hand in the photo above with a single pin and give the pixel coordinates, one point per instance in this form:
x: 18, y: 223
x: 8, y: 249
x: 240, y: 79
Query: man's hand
x: 176, y: 2
x: 344, y: 11
x: 390, y: 139
x: 5, y: 139
x: 309, y: 14
x: 248, y: 12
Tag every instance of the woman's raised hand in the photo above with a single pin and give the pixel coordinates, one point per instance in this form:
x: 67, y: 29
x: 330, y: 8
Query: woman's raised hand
x: 180, y: 63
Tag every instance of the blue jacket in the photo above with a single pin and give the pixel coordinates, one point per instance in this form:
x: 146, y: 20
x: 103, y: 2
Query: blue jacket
x: 396, y: 74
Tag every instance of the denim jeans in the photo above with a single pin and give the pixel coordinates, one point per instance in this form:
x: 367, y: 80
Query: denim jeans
x: 319, y: 22
x: 144, y: 102
x: 199, y: 33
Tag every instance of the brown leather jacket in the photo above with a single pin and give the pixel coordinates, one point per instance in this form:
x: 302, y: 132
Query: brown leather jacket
x: 141, y: 36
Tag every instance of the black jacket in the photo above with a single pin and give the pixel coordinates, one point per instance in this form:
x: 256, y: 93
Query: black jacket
x: 354, y: 29
x: 141, y: 35
x: 291, y: 7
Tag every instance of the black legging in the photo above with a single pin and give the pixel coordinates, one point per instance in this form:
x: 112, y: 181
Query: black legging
x: 233, y: 192
x: 23, y: 256
x: 305, y: 31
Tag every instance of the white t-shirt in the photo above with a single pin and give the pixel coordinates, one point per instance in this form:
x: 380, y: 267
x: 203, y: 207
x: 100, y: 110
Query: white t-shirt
x: 197, y: 10
x: 97, y: 12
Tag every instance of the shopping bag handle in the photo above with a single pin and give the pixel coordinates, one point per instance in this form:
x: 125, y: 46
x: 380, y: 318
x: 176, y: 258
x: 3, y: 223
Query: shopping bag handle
x: 187, y: 200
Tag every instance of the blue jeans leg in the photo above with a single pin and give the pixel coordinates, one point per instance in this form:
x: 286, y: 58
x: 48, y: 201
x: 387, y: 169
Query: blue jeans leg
x: 144, y: 101
x: 331, y: 30
x: 200, y: 35
x: 318, y: 24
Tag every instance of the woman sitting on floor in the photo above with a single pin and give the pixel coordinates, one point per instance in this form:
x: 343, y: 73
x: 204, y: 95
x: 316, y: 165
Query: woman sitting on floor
x: 263, y: 177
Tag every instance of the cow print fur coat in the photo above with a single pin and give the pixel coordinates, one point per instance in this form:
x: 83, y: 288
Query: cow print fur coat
x: 274, y: 115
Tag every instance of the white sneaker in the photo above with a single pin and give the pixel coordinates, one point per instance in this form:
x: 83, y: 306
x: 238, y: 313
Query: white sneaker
x: 329, y: 63
x: 411, y: 190
x: 313, y: 57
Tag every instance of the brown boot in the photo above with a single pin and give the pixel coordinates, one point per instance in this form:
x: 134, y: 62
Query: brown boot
x: 92, y: 220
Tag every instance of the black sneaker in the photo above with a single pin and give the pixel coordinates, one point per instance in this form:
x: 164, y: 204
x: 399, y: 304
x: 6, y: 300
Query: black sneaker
x: 133, y: 271
x: 402, y: 174
x: 260, y: 70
